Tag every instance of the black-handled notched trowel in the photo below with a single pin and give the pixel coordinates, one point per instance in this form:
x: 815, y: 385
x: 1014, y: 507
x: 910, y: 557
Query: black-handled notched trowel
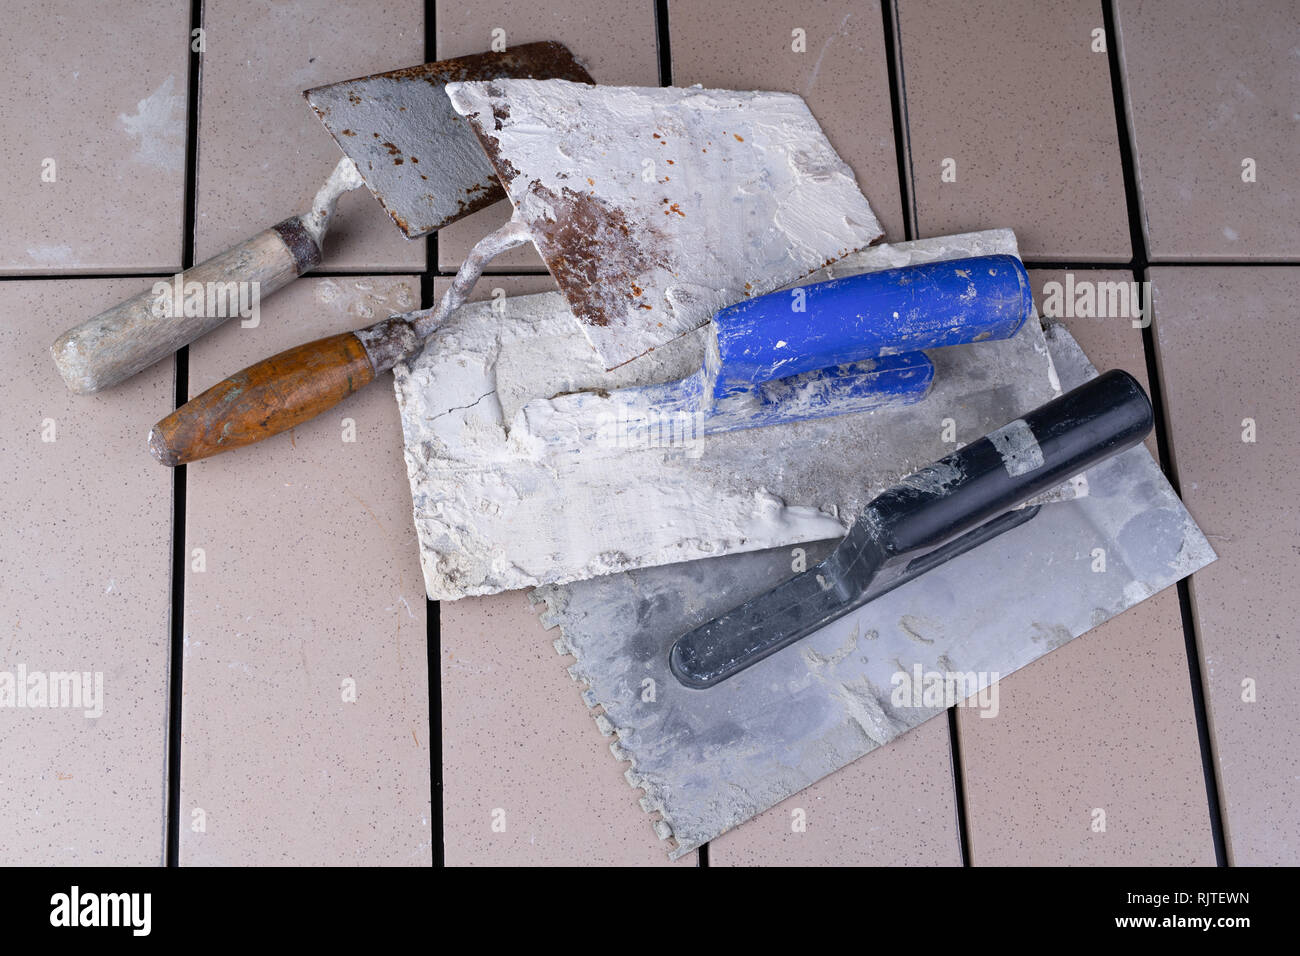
x: 932, y: 516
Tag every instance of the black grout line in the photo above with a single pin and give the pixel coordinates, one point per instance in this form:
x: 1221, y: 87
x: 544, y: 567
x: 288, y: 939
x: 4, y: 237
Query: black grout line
x: 1049, y: 265
x: 663, y: 43
x: 433, y: 609
x: 175, y: 685
x: 902, y: 150
x: 1221, y: 263
x: 64, y: 276
x: 1140, y: 265
x: 898, y: 96
x: 1044, y: 264
x: 959, y: 787
x: 894, y: 67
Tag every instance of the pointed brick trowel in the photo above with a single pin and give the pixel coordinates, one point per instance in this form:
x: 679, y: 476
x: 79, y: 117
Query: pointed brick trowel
x: 653, y: 208
x: 401, y: 138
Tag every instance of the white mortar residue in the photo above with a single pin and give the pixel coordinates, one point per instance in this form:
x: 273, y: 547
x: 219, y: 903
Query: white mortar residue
x: 158, y: 127
x: 498, y: 507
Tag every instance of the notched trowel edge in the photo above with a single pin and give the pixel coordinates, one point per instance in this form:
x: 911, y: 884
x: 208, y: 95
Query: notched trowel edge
x: 676, y: 820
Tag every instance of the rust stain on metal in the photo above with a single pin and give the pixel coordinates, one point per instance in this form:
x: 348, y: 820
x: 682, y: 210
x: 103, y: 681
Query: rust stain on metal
x: 505, y: 169
x: 545, y: 58
x: 592, y: 252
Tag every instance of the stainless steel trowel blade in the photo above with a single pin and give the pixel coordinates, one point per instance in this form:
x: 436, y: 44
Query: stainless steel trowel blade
x: 709, y: 760
x: 419, y: 159
x: 655, y: 207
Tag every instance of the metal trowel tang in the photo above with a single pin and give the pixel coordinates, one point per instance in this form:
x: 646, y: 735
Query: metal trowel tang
x: 932, y: 516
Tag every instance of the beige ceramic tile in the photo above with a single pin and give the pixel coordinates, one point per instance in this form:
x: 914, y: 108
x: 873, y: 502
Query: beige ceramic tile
x: 85, y: 558
x: 831, y: 54
x: 310, y: 590
x: 527, y: 778
x: 1099, y: 733
x: 262, y: 152
x: 1126, y: 743
x: 1008, y: 97
x: 1228, y: 338
x: 496, y: 286
x: 517, y: 738
x: 1106, y: 331
x: 615, y: 39
x: 108, y: 128
x: 894, y: 807
x: 1213, y: 94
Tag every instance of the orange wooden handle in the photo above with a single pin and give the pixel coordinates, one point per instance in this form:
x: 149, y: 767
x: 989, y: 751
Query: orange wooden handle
x: 264, y: 399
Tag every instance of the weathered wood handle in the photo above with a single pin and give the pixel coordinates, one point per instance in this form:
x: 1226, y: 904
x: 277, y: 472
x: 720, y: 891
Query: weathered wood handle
x: 279, y: 392
x: 130, y: 337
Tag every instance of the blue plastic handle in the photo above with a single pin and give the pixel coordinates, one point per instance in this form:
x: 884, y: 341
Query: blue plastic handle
x: 832, y: 348
x: 867, y: 316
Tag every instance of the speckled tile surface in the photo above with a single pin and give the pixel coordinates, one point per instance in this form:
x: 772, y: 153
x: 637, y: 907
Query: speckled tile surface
x: 1214, y: 100
x: 519, y: 749
x: 527, y: 777
x: 894, y: 807
x: 262, y: 152
x: 833, y: 55
x: 615, y: 39
x: 1009, y: 100
x: 305, y: 722
x: 1088, y: 303
x: 307, y: 585
x: 1228, y: 338
x: 1093, y: 757
x: 86, y: 588
x: 109, y: 129
x: 1104, y: 725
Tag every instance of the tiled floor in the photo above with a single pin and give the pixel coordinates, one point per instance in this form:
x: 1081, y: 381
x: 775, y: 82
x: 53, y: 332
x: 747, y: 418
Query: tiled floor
x: 273, y: 679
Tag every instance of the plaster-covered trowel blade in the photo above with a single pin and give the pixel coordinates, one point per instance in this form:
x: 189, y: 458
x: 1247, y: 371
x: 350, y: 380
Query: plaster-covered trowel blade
x: 845, y: 345
x: 418, y: 158
x: 708, y: 760
x: 499, y: 507
x: 653, y: 208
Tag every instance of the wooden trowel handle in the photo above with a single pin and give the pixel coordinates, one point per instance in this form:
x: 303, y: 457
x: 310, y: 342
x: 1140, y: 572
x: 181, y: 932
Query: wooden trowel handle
x: 279, y: 392
x: 131, y: 336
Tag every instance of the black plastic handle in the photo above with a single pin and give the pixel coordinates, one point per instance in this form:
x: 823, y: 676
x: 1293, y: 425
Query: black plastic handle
x: 1018, y: 461
x: 933, y: 515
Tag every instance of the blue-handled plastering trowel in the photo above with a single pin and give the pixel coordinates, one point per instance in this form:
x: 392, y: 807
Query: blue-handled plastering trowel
x: 831, y: 348
x: 511, y: 489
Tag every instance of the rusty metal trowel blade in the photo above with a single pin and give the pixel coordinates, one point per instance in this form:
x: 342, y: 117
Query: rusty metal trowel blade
x: 653, y: 208
x: 418, y: 157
